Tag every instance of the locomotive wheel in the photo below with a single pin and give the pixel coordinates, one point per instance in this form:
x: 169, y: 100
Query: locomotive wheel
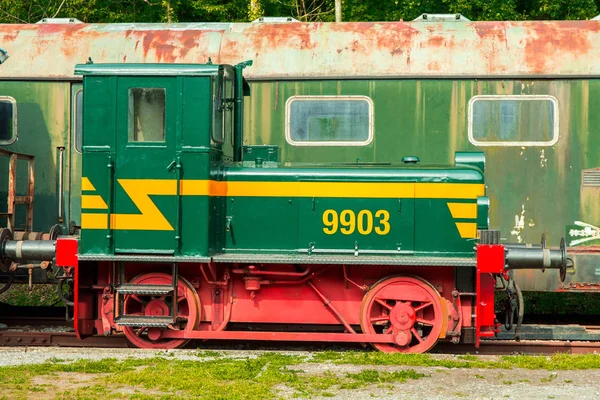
x: 188, y: 311
x: 406, y: 307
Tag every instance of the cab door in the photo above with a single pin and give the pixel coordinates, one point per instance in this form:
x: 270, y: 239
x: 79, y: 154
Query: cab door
x: 147, y: 166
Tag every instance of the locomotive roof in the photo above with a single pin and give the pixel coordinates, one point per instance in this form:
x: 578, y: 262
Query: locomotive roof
x: 294, y: 50
x: 392, y: 173
x: 147, y: 69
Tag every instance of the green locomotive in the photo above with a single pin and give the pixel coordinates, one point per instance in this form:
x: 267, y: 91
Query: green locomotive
x: 182, y: 236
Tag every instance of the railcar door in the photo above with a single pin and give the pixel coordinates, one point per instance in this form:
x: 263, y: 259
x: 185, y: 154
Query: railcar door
x: 146, y: 173
x: 73, y: 211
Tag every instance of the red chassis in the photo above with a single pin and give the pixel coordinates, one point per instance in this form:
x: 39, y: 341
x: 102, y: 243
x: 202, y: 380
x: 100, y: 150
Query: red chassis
x: 397, y: 309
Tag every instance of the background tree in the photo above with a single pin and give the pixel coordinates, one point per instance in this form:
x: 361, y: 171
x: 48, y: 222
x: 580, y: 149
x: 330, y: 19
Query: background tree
x: 107, y: 11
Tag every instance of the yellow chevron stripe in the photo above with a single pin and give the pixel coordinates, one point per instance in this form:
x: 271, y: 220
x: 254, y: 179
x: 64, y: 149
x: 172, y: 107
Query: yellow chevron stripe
x: 94, y: 221
x: 150, y: 217
x: 86, y: 184
x: 467, y: 230
x: 93, y: 201
x: 463, y: 210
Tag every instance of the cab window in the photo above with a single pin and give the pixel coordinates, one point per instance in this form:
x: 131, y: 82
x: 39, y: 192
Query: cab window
x: 78, y: 120
x: 222, y: 103
x: 147, y: 114
x: 217, y: 106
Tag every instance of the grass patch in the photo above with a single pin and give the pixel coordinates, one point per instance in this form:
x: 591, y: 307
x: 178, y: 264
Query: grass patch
x: 266, y: 376
x: 554, y: 362
x: 38, y: 295
x: 208, y: 353
x: 373, y: 376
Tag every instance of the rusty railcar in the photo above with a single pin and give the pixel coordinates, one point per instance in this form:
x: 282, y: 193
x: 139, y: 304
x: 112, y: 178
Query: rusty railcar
x: 521, y: 92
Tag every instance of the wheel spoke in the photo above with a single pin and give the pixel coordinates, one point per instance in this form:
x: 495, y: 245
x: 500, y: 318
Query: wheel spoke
x: 422, y: 306
x: 136, y: 298
x: 383, y: 303
x: 389, y: 330
x: 383, y: 318
x: 416, y: 335
x: 141, y: 330
x: 427, y: 322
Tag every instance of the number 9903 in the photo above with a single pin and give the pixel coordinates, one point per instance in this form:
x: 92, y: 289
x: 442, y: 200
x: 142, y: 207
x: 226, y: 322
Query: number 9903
x: 348, y: 222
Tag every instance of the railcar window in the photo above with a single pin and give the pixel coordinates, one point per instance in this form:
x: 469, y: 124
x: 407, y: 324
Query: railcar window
x: 228, y: 104
x: 218, y: 115
x: 8, y: 120
x: 329, y: 120
x: 528, y: 120
x: 78, y: 120
x: 147, y: 114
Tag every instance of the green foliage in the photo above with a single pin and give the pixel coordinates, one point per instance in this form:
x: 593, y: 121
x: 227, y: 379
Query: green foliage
x: 109, y: 11
x: 261, y: 377
x: 555, y: 362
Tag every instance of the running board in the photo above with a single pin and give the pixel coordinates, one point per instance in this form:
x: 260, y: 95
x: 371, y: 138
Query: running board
x: 280, y: 336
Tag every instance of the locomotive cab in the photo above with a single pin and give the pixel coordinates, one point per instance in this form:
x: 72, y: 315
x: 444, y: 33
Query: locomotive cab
x: 153, y: 134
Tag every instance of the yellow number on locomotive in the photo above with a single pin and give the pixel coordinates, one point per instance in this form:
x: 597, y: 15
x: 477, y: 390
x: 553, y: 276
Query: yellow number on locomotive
x: 330, y: 220
x: 384, y: 222
x: 365, y: 228
x: 350, y: 222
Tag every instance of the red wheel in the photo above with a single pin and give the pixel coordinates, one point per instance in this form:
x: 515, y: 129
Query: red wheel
x: 408, y: 308
x: 188, y: 311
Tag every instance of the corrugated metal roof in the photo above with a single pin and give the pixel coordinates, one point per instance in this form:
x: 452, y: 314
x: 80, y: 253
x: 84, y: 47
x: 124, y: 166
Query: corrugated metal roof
x: 302, y: 50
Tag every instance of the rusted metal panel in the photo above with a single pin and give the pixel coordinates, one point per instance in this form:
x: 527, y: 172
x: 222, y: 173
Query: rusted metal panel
x: 42, y: 127
x: 284, y: 50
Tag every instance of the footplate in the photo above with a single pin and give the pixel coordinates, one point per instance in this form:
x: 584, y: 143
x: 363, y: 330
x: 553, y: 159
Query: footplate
x: 138, y: 321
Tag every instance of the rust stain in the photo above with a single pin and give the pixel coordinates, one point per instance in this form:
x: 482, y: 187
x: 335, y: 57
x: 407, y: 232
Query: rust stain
x: 436, y: 41
x: 544, y: 44
x: 434, y: 66
x: 9, y: 37
x: 491, y: 31
x: 273, y: 35
x: 301, y: 49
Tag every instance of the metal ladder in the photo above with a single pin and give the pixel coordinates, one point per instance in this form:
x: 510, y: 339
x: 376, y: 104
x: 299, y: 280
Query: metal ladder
x: 13, y: 200
x: 123, y: 289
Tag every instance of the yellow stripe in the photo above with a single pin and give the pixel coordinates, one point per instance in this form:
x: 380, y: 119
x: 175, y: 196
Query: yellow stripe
x: 94, y: 221
x: 467, y: 230
x: 86, y: 184
x: 463, y: 210
x: 150, y: 218
x: 93, y: 201
x: 333, y: 189
x: 448, y: 190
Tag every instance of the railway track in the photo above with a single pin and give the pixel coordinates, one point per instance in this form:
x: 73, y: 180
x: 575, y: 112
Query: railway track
x: 49, y: 336
x: 46, y: 326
